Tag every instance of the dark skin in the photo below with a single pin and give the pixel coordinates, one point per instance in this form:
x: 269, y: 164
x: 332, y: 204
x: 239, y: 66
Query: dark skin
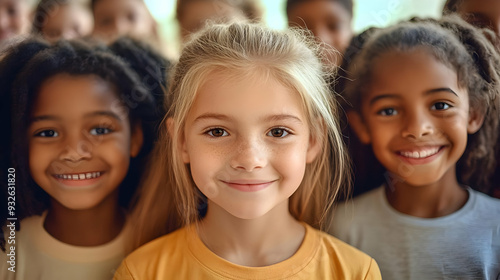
x: 90, y: 227
x: 481, y: 13
x: 435, y: 200
x: 416, y: 118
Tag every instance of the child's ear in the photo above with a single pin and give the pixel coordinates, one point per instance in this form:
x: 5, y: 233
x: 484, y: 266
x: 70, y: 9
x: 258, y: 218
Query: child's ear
x: 314, y: 146
x: 171, y: 127
x: 475, y: 122
x: 359, y: 127
x: 136, y: 139
x: 313, y: 149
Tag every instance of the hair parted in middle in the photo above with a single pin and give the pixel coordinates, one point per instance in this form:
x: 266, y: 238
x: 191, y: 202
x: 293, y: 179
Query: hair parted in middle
x: 464, y: 49
x: 240, y: 49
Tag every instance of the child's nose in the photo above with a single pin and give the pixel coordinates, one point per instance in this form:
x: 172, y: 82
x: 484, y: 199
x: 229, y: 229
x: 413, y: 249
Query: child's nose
x: 76, y: 148
x: 249, y: 156
x: 418, y: 124
x: 120, y: 26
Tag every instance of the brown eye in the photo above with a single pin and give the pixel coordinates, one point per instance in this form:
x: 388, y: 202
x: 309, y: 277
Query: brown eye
x: 277, y: 132
x: 217, y: 132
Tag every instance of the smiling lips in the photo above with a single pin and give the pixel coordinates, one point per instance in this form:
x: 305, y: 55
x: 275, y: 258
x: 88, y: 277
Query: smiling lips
x: 79, y: 179
x: 79, y: 176
x: 248, y: 185
x: 420, y: 156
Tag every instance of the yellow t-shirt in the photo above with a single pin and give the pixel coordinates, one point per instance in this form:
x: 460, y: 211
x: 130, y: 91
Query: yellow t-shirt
x: 182, y: 255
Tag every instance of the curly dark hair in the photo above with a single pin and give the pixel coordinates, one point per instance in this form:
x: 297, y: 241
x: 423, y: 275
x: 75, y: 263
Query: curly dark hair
x: 367, y: 171
x: 347, y: 4
x: 27, y: 65
x: 463, y: 48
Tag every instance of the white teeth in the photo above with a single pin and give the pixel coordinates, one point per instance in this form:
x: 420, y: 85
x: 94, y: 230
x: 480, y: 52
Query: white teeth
x: 421, y: 154
x: 81, y: 176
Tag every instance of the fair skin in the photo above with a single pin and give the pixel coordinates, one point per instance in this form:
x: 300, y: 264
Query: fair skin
x: 80, y: 145
x: 14, y: 18
x: 328, y: 20
x: 248, y: 142
x: 417, y: 117
x: 114, y: 18
x: 197, y: 13
x: 68, y: 21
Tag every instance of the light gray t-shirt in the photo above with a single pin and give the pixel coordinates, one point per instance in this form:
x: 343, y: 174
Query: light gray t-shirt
x: 463, y: 245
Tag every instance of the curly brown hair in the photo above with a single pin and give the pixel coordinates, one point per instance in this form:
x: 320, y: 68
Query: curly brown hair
x: 464, y: 49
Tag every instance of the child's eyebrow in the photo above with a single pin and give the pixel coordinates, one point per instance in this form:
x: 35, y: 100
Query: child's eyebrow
x: 89, y: 115
x: 45, y: 118
x: 282, y: 117
x: 395, y: 96
x: 382, y: 96
x: 270, y: 118
x: 211, y: 116
x: 436, y: 90
x: 103, y: 113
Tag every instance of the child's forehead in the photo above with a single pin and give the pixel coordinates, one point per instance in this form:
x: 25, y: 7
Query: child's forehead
x: 77, y: 92
x: 414, y: 72
x: 91, y: 84
x: 245, y: 77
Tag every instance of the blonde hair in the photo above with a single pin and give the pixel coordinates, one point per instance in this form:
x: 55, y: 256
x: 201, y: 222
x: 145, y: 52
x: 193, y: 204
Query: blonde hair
x: 239, y: 48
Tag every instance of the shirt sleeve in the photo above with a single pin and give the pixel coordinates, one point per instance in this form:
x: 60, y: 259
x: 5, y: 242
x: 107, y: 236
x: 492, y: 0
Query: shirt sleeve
x: 373, y: 271
x: 123, y: 273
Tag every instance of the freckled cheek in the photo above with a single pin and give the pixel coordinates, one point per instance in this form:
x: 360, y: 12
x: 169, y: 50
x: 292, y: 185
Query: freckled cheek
x: 289, y: 160
x: 205, y: 162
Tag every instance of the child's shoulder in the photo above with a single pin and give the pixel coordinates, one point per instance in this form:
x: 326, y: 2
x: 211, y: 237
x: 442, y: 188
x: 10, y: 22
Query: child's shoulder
x: 484, y: 204
x: 347, y: 261
x: 160, y: 247
x: 361, y: 206
x: 337, y: 246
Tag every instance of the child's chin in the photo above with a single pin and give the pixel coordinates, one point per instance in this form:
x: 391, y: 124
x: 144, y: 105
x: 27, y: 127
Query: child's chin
x: 420, y: 180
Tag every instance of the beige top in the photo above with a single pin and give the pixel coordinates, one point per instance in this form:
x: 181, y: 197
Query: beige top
x: 41, y: 256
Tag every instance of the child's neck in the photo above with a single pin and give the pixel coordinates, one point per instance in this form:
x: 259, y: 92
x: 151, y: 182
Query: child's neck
x: 264, y: 241
x: 438, y: 199
x: 91, y: 227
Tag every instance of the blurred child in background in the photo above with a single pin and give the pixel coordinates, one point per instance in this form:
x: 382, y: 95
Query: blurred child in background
x: 62, y: 19
x: 329, y: 20
x: 480, y: 13
x: 14, y: 18
x: 193, y: 14
x: 115, y: 18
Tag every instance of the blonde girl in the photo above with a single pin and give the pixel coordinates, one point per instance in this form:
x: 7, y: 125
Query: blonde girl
x: 252, y: 138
